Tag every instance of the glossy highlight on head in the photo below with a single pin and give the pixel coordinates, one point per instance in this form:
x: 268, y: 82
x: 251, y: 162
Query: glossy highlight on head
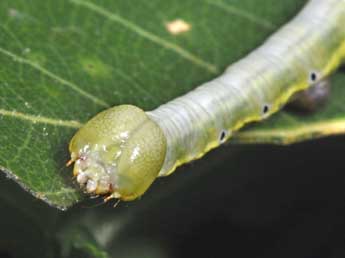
x: 118, y: 153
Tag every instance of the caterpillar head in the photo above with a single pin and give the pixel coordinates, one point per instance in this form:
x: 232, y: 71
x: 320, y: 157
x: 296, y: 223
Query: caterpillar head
x: 118, y: 152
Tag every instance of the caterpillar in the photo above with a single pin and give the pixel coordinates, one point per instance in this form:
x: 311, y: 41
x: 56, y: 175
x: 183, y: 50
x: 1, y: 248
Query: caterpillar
x: 122, y: 150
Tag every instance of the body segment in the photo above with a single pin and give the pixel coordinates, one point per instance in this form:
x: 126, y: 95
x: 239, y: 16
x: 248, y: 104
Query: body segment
x: 123, y: 149
x: 300, y: 54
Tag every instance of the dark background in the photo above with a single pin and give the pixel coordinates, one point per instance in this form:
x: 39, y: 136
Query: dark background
x: 238, y: 201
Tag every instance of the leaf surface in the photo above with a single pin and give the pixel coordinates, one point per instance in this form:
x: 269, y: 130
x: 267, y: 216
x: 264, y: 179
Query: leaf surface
x: 61, y: 62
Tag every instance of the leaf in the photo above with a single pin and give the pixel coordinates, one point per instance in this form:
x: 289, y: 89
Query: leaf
x: 61, y: 62
x: 287, y: 127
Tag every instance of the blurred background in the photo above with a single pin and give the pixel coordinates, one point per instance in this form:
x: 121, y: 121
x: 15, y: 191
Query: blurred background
x: 248, y: 201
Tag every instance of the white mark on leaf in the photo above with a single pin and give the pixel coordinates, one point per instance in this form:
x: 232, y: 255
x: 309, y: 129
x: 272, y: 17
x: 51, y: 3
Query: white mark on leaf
x: 27, y: 104
x: 13, y: 12
x: 177, y: 26
x: 45, y: 133
x: 26, y: 51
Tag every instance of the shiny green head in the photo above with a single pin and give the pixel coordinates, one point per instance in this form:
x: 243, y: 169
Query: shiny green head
x: 118, y: 152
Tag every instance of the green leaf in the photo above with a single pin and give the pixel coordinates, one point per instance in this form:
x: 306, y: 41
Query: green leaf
x: 288, y: 127
x: 61, y: 62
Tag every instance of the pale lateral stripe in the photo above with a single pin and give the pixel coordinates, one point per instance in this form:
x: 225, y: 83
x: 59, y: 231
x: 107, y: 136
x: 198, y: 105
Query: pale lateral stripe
x: 292, y: 134
x: 55, y: 77
x: 243, y: 14
x: 148, y: 35
x: 41, y: 119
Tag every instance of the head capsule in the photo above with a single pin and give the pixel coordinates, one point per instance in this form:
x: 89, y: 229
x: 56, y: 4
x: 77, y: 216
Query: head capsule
x: 118, y: 152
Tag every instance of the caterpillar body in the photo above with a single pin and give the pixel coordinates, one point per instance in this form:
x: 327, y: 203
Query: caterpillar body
x: 121, y: 151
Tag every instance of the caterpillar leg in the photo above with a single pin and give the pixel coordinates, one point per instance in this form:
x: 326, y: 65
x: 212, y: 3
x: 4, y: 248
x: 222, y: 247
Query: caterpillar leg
x: 311, y: 99
x: 111, y: 196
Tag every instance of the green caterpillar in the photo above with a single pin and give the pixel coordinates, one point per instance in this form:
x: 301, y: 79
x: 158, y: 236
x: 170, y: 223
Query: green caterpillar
x: 121, y: 151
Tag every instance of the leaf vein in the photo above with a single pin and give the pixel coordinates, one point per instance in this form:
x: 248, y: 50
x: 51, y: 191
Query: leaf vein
x: 148, y: 35
x: 55, y: 77
x: 243, y: 14
x: 41, y: 119
x: 22, y: 147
